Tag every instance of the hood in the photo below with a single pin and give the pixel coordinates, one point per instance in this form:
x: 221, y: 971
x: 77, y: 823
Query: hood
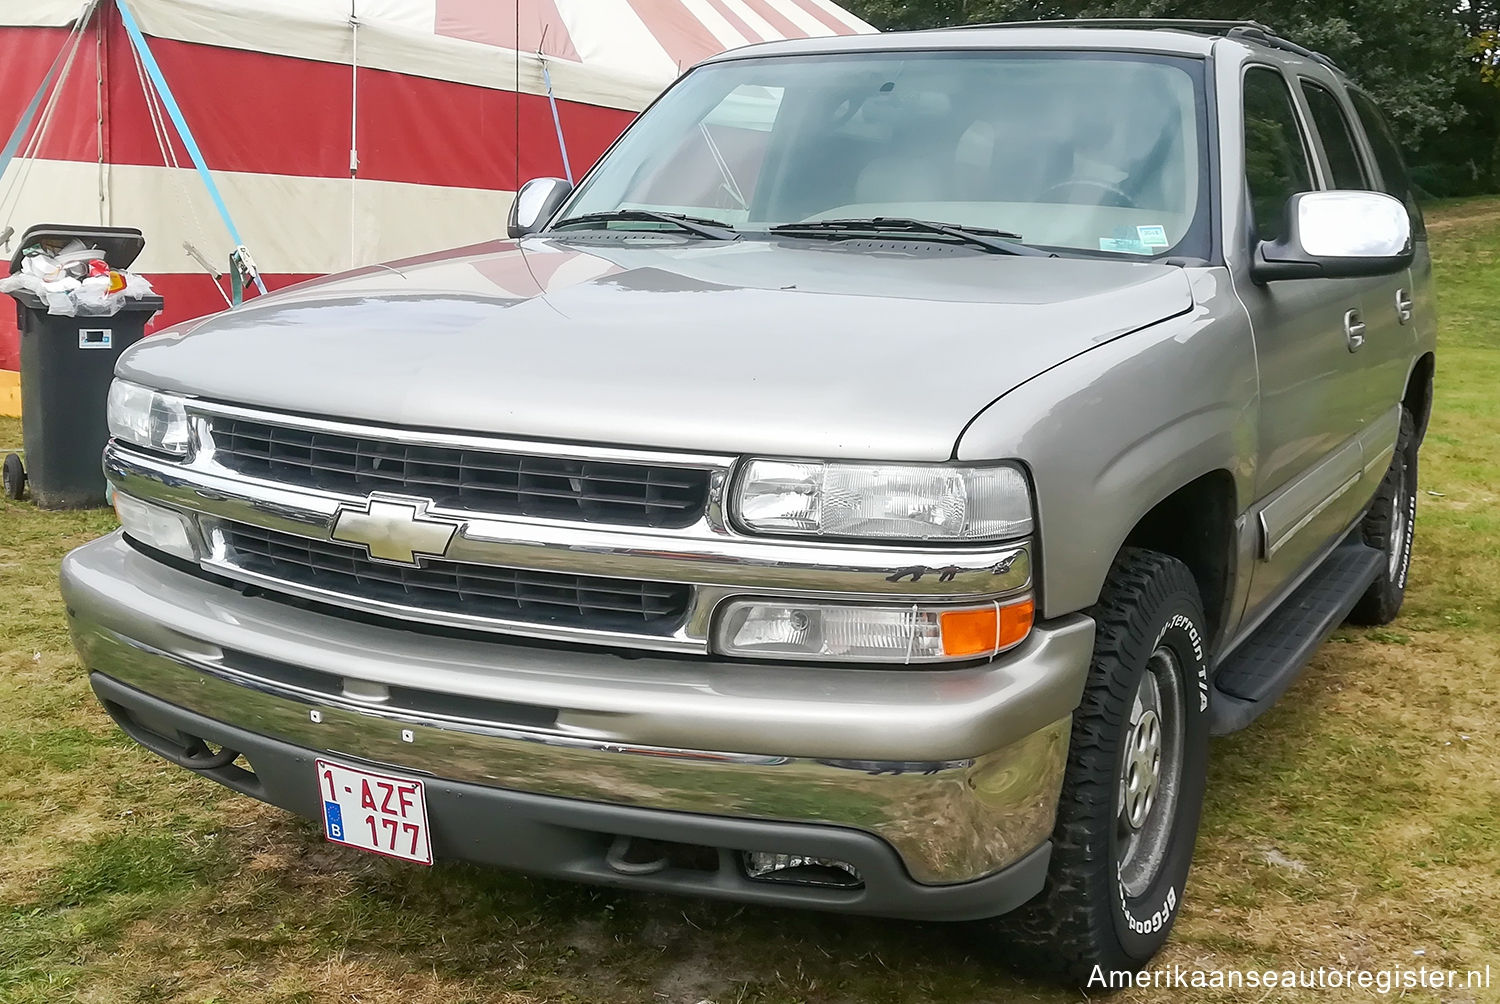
x: 799, y: 348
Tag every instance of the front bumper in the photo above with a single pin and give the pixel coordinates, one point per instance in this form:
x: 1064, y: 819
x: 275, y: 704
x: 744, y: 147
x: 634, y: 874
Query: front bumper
x: 933, y: 782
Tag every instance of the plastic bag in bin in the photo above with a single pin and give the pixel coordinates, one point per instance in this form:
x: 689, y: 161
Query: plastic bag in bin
x: 75, y: 281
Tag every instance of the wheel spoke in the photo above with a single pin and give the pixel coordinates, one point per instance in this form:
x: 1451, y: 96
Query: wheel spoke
x: 1150, y: 768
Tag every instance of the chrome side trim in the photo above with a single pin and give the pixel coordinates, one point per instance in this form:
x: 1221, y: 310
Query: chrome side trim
x: 1378, y: 441
x: 1273, y: 546
x: 950, y: 821
x: 1305, y: 499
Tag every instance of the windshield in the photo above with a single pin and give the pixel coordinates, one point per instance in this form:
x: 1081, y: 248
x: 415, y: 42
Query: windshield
x: 1101, y: 153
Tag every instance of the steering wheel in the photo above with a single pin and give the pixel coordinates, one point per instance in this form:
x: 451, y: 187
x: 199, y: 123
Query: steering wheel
x: 1120, y: 200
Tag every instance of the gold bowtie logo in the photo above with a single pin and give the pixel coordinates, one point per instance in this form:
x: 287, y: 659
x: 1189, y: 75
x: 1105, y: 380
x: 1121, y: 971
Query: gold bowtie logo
x: 395, y: 529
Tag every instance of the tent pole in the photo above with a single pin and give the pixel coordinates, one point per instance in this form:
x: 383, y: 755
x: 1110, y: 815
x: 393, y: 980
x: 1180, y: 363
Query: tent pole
x: 353, y: 129
x: 101, y: 103
x: 518, y: 181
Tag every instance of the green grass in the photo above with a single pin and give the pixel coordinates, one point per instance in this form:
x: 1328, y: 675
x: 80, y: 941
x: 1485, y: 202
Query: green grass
x: 1355, y: 825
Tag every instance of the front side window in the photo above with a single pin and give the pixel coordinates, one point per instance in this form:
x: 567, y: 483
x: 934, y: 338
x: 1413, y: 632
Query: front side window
x: 1344, y: 165
x: 1276, y: 166
x: 1094, y: 153
x: 1394, y: 178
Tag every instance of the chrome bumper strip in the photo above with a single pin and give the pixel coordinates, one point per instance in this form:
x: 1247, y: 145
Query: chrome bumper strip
x: 950, y: 821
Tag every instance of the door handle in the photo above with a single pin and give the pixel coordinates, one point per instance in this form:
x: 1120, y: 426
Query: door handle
x: 1354, y: 330
x: 1403, y: 306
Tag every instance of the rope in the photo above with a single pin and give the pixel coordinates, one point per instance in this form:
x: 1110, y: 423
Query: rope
x: 12, y: 194
x: 153, y: 110
x: 138, y: 41
x: 562, y: 144
x: 169, y: 160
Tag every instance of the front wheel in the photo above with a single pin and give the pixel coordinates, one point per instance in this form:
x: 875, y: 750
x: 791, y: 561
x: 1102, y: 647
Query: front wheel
x: 1128, y: 815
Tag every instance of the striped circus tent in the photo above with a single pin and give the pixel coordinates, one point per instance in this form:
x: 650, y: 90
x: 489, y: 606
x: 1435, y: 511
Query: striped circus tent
x: 339, y: 132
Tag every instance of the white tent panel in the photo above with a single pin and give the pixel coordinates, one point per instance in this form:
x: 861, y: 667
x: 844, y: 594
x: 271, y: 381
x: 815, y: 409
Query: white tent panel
x: 609, y: 35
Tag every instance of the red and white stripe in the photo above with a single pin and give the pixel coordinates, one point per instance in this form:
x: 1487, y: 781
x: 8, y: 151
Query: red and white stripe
x: 452, y: 116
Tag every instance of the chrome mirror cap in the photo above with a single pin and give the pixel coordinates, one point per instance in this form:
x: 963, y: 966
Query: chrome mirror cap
x: 1336, y: 235
x: 1353, y: 225
x: 535, y: 204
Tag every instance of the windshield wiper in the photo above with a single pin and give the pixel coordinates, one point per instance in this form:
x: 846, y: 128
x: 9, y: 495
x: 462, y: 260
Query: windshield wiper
x: 998, y: 241
x: 712, y: 229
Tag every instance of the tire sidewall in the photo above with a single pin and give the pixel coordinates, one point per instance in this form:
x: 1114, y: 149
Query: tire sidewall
x: 1406, y: 498
x: 1397, y: 494
x: 14, y: 477
x: 1142, y: 923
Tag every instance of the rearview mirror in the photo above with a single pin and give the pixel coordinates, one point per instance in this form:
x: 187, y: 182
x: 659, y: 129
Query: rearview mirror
x: 535, y: 204
x: 1337, y: 235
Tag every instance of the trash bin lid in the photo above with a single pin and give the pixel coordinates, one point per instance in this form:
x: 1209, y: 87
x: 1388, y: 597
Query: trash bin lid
x: 119, y: 246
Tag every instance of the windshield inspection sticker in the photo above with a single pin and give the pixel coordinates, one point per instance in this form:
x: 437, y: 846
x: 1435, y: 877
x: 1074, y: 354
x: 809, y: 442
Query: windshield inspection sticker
x: 1154, y: 237
x: 1124, y: 245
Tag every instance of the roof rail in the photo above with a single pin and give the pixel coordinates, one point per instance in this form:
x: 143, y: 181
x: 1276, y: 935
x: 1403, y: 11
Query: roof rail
x: 1175, y: 24
x: 1250, y: 31
x: 1267, y: 37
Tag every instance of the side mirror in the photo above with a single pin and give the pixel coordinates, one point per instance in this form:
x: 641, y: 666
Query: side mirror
x: 1337, y: 235
x: 536, y: 203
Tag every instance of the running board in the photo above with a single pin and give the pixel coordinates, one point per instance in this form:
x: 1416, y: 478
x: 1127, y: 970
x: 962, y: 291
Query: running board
x: 1262, y: 668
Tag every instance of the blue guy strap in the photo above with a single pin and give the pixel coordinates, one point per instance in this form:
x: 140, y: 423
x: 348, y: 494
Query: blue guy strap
x: 169, y: 102
x: 22, y: 127
x: 562, y: 144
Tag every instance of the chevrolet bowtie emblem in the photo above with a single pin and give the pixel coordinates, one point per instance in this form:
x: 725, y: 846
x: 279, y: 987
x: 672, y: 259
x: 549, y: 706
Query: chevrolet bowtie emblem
x: 394, y: 528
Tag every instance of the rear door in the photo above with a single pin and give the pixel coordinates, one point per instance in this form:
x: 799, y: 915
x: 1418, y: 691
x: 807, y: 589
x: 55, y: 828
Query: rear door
x: 1384, y: 352
x: 1312, y: 407
x: 1414, y: 286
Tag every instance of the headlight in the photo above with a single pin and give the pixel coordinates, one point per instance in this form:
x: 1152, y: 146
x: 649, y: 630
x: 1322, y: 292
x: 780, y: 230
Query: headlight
x: 842, y: 632
x: 144, y: 417
x: 884, y: 501
x: 155, y: 526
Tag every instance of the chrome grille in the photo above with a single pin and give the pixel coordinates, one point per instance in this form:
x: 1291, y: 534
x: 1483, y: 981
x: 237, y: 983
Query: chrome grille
x: 457, y: 587
x: 452, y: 477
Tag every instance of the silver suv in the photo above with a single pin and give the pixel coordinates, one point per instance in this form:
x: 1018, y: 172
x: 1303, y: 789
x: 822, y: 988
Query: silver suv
x: 867, y: 491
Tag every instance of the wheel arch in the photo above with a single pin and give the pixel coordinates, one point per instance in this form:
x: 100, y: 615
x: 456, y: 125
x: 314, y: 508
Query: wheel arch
x: 1114, y: 434
x: 1196, y: 525
x: 1418, y: 396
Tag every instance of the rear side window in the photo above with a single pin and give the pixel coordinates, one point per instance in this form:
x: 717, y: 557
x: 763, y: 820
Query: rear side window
x: 1276, y: 166
x: 1347, y: 171
x: 1394, y: 179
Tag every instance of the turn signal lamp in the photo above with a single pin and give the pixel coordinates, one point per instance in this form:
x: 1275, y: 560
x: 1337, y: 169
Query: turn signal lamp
x: 838, y: 632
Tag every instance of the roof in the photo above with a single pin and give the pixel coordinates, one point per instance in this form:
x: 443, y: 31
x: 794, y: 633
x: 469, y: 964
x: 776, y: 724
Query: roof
x: 990, y: 37
x: 1175, y: 36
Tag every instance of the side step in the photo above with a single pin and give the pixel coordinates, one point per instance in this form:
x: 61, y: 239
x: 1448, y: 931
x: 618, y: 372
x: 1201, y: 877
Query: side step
x: 1266, y: 664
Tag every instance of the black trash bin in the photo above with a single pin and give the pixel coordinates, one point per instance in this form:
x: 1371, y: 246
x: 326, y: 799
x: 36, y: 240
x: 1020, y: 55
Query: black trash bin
x: 66, y: 366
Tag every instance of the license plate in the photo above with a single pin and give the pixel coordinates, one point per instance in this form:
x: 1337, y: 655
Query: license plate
x: 375, y: 812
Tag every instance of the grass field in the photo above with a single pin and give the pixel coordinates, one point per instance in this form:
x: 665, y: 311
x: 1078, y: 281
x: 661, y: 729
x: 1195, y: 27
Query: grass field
x: 1357, y: 825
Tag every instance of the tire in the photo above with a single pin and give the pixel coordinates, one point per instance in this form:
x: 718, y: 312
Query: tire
x: 14, y: 477
x: 1104, y: 904
x: 1389, y: 527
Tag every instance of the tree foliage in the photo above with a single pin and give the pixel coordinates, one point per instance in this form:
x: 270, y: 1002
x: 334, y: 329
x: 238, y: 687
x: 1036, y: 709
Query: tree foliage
x: 1434, y: 67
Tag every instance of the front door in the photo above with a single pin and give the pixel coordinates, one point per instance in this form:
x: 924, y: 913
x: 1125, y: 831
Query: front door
x: 1312, y: 407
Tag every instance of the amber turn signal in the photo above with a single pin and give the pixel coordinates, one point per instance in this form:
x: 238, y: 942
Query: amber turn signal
x: 988, y: 629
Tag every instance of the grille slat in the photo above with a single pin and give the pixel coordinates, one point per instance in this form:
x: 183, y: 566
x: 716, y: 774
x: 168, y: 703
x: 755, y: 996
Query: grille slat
x: 494, y: 482
x: 456, y: 587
